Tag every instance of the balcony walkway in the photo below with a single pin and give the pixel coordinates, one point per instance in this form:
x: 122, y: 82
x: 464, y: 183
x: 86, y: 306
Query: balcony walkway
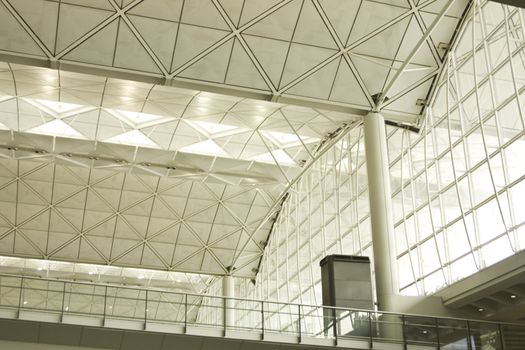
x: 34, y: 310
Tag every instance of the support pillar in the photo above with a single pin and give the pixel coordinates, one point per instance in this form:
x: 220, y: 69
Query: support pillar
x: 228, y: 292
x: 380, y: 199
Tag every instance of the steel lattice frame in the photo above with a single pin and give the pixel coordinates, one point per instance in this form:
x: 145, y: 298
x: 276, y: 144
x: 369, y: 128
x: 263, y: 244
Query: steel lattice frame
x: 458, y: 186
x: 388, y: 58
x: 313, y: 56
x: 462, y: 201
x: 326, y: 212
x: 229, y: 153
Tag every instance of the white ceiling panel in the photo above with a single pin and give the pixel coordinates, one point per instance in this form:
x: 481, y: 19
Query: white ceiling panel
x: 114, y: 218
x: 164, y: 134
x: 268, y: 48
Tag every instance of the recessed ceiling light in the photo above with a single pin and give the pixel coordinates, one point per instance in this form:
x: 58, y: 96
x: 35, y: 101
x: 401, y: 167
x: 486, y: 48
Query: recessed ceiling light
x: 140, y: 277
x: 513, y: 296
x: 481, y: 309
x: 91, y: 273
x: 178, y: 281
x: 25, y: 302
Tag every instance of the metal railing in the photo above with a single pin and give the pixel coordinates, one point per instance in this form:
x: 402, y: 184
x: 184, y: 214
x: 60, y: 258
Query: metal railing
x: 65, y: 298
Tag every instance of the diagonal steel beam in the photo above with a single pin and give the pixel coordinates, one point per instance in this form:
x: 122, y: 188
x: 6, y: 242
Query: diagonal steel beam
x: 422, y: 41
x: 26, y: 27
x: 245, y: 46
x: 421, y: 23
x: 276, y: 206
x: 139, y: 37
x: 343, y: 51
x: 229, y: 36
x: 95, y: 30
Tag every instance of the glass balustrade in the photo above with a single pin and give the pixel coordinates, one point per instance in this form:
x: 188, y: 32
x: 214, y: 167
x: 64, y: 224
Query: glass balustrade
x: 264, y: 317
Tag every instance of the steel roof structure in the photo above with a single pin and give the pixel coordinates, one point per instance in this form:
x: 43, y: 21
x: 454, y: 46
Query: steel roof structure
x: 165, y: 134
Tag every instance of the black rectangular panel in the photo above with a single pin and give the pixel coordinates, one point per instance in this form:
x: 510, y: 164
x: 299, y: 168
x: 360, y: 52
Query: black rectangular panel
x: 346, y: 281
x: 347, y: 284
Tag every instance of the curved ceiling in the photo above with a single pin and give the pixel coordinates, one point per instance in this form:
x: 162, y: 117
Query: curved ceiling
x: 134, y: 174
x: 337, y: 54
x: 164, y: 134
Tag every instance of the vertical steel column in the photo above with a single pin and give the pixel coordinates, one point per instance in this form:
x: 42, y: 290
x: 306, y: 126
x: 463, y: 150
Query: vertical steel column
x: 334, y: 322
x: 501, y: 337
x: 403, y: 331
x: 21, y: 296
x: 185, y: 312
x: 437, y: 334
x: 228, y: 292
x: 370, y: 334
x: 262, y: 320
x: 380, y: 198
x: 63, y: 301
x: 145, y: 310
x: 469, y: 337
x: 299, y: 331
x: 105, y: 302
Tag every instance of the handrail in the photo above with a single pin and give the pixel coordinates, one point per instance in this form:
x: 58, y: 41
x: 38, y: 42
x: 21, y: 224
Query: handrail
x: 182, y: 294
x: 189, y: 309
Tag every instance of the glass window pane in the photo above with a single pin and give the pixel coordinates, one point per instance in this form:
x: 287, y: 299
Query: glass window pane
x: 463, y: 267
x: 429, y: 255
x: 496, y: 250
x: 489, y: 221
x: 457, y: 241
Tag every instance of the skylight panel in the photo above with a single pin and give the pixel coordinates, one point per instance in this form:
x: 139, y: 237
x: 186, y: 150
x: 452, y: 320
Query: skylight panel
x: 56, y: 128
x: 58, y: 107
x: 286, y: 139
x: 213, y: 129
x: 278, y: 155
x: 343, y: 165
x: 4, y: 97
x: 282, y: 137
x: 208, y: 147
x: 137, y: 118
x: 133, y: 138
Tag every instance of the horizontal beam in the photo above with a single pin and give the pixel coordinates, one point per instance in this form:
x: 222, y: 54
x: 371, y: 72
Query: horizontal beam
x: 189, y: 84
x: 495, y: 278
x: 155, y: 162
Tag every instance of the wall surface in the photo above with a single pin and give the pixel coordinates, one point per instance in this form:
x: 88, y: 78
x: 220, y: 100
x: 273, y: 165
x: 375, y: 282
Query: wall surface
x: 30, y: 335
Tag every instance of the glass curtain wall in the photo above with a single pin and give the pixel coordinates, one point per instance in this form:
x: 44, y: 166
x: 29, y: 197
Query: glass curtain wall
x: 326, y: 212
x: 458, y: 185
x: 458, y: 190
